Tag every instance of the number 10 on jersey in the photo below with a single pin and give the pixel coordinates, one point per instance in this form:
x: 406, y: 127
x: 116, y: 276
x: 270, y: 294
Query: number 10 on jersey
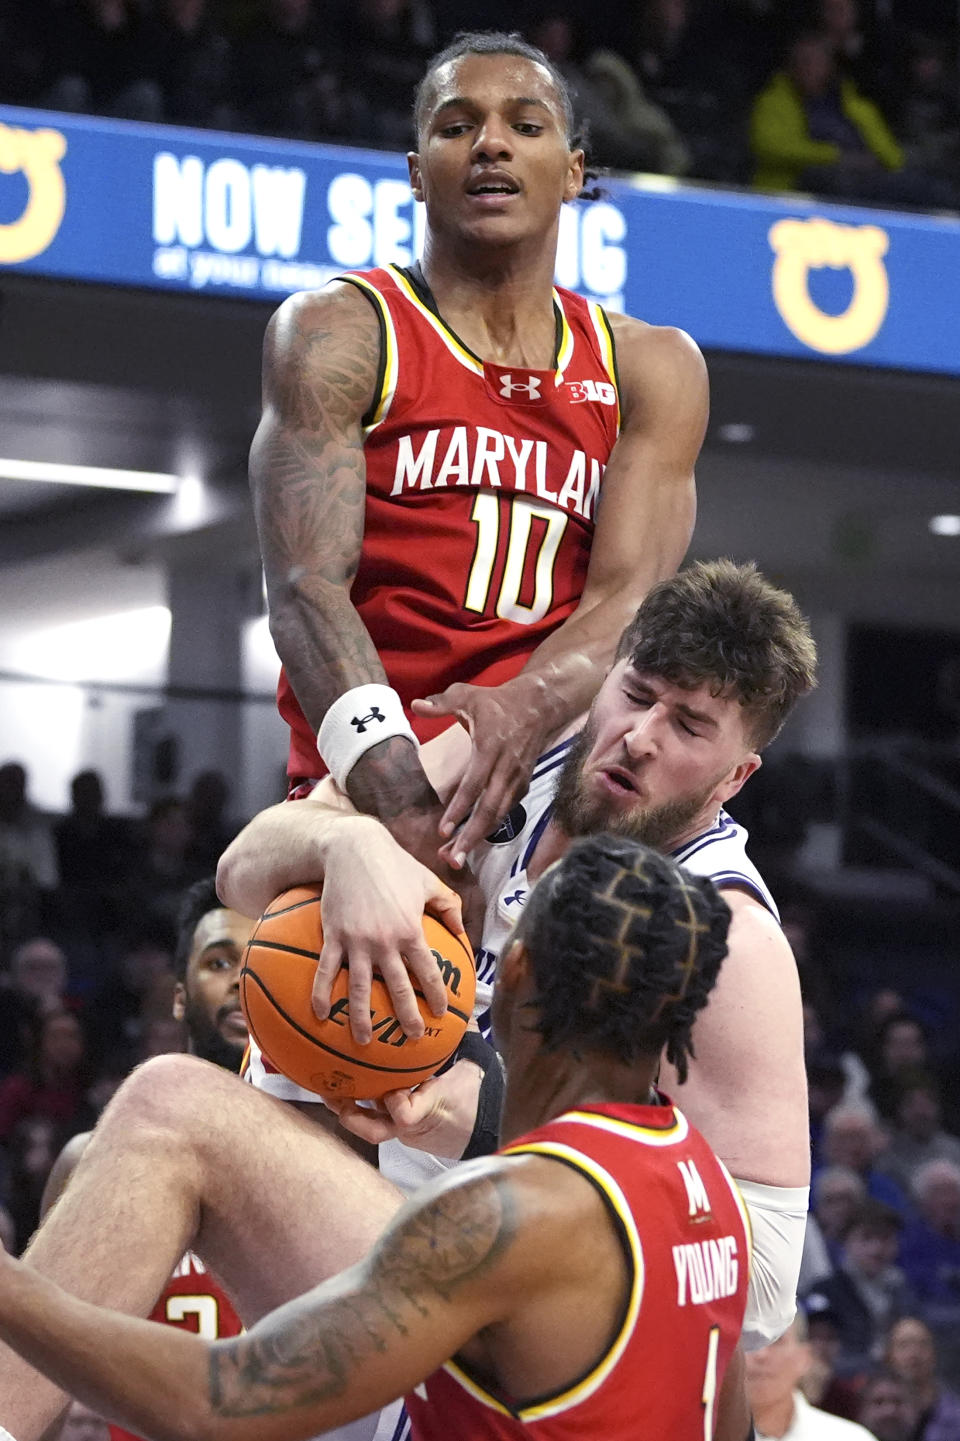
x: 486, y: 516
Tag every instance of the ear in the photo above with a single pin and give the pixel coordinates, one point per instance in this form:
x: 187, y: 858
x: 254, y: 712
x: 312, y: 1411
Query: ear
x: 513, y: 967
x: 738, y: 777
x: 574, y: 182
x: 416, y: 180
x: 179, y: 1001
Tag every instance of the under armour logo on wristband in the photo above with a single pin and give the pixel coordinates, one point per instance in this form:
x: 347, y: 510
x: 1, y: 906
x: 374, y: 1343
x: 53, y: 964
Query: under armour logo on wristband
x: 376, y: 714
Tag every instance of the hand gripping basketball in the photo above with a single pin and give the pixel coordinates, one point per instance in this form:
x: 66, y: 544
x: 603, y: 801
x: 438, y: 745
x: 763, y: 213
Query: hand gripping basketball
x: 323, y: 1056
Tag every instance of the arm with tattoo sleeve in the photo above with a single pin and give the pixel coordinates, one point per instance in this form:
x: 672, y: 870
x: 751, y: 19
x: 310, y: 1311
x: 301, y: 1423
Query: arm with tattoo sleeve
x: 439, y: 1274
x: 307, y: 476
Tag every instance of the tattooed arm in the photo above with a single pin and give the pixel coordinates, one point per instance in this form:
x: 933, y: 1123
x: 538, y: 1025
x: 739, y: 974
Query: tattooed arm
x: 320, y: 368
x: 445, y: 1269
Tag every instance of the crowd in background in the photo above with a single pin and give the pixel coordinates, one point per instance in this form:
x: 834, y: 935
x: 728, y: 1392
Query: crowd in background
x: 89, y: 903
x: 853, y: 99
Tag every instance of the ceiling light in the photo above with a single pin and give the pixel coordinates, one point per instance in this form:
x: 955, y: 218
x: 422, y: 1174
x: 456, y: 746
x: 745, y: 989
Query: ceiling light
x: 945, y: 524
x: 736, y: 433
x: 57, y: 473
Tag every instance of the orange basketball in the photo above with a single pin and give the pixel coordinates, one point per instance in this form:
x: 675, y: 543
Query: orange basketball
x: 275, y: 986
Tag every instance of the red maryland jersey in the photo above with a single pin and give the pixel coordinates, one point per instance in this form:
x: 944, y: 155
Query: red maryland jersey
x: 482, y: 489
x: 195, y: 1301
x: 686, y: 1241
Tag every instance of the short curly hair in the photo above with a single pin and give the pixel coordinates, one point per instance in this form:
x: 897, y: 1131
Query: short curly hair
x: 625, y: 948
x: 196, y: 903
x: 724, y: 623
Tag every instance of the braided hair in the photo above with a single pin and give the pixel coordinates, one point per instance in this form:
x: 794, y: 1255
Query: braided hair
x: 625, y: 949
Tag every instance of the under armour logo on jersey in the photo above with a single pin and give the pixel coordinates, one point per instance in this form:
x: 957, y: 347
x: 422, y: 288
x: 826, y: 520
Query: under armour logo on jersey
x: 515, y: 899
x: 530, y: 386
x: 361, y: 722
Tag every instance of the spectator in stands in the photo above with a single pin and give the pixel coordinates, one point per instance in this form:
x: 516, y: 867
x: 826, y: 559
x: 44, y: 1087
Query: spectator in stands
x: 867, y: 1291
x: 211, y: 829
x: 32, y: 1149
x: 826, y: 1089
x: 391, y: 41
x: 916, y: 1135
x: 94, y: 852
x: 871, y: 54
x: 693, y: 65
x: 28, y: 858
x: 930, y: 1246
x: 36, y: 984
x: 623, y: 128
x: 821, y: 1384
x: 53, y: 1082
x: 285, y: 79
x: 837, y: 1193
x: 930, y: 113
x: 130, y: 997
x: 812, y: 129
x: 192, y: 63
x: 911, y: 1355
x: 102, y: 61
x: 780, y: 1409
x: 885, y: 1408
x: 856, y: 1077
x: 164, y: 870
x: 852, y: 1137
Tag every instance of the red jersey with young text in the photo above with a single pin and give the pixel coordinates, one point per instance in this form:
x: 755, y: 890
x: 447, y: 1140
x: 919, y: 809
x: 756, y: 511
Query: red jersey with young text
x: 686, y: 1246
x: 193, y: 1300
x: 482, y: 488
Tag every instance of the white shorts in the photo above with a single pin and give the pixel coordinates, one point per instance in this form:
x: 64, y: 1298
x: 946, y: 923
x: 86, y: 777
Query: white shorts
x: 778, y: 1218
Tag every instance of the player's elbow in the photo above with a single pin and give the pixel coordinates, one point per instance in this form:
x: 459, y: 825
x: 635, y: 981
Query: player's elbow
x: 238, y: 877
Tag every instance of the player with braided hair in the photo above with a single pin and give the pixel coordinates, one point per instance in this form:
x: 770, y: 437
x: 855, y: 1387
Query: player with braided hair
x: 625, y: 950
x: 661, y: 757
x: 587, y: 1281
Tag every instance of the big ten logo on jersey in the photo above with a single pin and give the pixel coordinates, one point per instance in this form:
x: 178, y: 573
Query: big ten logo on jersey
x: 226, y: 223
x: 602, y: 392
x: 377, y: 222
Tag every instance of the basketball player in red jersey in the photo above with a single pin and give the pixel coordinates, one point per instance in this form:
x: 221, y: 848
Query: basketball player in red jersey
x: 207, y: 961
x: 464, y: 474
x: 589, y: 1280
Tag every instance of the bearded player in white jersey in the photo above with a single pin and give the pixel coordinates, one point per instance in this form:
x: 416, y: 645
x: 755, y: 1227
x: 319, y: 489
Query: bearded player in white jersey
x: 707, y: 672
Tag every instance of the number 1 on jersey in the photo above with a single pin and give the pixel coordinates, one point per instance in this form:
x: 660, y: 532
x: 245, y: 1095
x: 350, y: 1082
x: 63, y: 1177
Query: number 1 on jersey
x: 486, y: 517
x: 709, y: 1397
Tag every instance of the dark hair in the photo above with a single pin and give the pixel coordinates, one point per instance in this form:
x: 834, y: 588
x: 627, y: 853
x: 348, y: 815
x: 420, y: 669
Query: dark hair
x: 898, y: 1018
x: 495, y: 42
x: 625, y: 949
x: 726, y: 624
x: 199, y: 899
x: 873, y: 1218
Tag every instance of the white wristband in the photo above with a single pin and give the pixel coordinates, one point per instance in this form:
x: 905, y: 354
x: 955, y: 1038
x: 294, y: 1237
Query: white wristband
x: 5, y: 1434
x: 357, y: 720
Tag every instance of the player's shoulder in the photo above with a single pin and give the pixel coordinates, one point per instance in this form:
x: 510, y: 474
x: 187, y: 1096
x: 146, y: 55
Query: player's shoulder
x: 340, y: 307
x: 653, y: 357
x: 753, y: 927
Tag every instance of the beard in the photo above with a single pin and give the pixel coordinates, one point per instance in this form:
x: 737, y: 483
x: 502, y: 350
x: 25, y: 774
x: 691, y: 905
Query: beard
x: 207, y: 1041
x: 579, y: 814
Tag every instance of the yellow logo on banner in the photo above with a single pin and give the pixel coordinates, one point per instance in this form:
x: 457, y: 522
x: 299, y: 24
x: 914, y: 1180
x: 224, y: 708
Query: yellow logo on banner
x: 37, y: 153
x: 805, y: 245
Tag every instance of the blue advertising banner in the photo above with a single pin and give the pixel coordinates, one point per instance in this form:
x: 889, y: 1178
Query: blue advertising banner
x: 123, y: 204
